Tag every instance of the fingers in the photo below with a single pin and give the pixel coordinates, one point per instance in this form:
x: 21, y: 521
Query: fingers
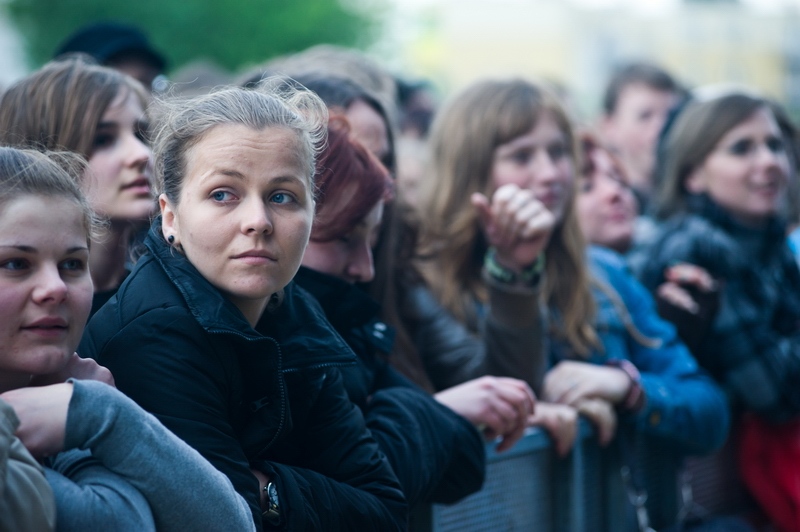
x: 603, y: 416
x: 519, y: 395
x: 676, y: 296
x: 569, y: 382
x: 560, y: 421
x: 499, y: 406
x: 690, y: 274
x: 517, y: 225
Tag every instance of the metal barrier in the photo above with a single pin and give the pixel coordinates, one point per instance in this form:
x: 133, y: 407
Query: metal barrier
x: 530, y: 488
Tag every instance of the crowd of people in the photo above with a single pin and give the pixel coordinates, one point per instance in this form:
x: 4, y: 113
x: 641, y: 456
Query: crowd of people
x: 308, y: 299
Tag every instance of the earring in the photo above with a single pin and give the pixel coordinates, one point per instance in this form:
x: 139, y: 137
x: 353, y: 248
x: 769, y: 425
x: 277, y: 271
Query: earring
x: 171, y: 239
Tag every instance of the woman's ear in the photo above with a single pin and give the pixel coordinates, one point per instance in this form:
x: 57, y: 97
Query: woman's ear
x: 695, y: 182
x: 169, y: 222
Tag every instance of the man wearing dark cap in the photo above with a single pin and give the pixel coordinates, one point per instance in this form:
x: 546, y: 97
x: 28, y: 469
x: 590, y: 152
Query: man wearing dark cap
x: 119, y: 46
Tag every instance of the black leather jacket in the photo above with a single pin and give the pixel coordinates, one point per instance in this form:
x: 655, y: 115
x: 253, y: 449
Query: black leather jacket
x: 269, y: 398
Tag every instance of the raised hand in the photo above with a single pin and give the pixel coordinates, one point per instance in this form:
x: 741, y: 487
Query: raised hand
x: 516, y: 224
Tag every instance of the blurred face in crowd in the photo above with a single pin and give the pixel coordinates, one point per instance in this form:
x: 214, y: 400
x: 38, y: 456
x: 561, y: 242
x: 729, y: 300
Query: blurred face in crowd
x: 244, y: 213
x: 118, y: 183
x: 747, y: 172
x: 605, y: 205
x: 633, y: 129
x: 45, y: 287
x: 348, y: 257
x: 369, y: 128
x: 538, y: 161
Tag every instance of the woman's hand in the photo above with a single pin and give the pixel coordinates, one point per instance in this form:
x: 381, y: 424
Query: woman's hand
x: 76, y: 368
x: 682, y: 277
x: 42, y: 412
x: 560, y: 421
x: 516, y: 224
x: 570, y: 382
x: 499, y: 406
x: 602, y: 415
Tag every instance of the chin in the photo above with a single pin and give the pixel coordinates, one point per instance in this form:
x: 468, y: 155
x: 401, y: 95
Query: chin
x: 49, y: 360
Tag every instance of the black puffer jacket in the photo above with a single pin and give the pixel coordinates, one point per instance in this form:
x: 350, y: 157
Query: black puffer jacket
x: 753, y: 348
x: 437, y: 454
x: 269, y: 398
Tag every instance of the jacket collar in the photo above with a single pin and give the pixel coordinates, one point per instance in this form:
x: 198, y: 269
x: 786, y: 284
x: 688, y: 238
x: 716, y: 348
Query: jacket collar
x: 298, y: 325
x: 702, y: 205
x: 346, y: 305
x: 351, y: 311
x: 209, y: 307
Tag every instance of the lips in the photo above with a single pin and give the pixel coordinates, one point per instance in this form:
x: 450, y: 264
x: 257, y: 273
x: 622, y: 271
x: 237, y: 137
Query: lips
x: 141, y: 185
x: 255, y: 257
x: 48, y: 326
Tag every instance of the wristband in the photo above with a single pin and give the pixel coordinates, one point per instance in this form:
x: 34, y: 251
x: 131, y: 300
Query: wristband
x: 529, y: 276
x: 634, y: 399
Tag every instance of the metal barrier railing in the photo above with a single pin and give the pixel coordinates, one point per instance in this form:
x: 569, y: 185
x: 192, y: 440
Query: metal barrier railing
x: 529, y: 488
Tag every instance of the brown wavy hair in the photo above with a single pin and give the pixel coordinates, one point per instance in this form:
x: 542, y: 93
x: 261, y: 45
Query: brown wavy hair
x: 463, y: 140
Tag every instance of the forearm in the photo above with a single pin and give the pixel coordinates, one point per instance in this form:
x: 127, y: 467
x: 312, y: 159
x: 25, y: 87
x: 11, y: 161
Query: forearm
x: 90, y: 497
x: 514, y: 338
x: 182, y: 488
x: 26, y: 500
x: 345, y: 481
x: 412, y: 428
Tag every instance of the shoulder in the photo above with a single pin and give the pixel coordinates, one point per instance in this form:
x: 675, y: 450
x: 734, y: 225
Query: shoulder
x: 695, y: 236
x: 303, y: 332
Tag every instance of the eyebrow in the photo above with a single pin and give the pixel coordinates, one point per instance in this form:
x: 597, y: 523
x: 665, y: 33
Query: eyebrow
x: 106, y: 125
x: 238, y: 175
x: 31, y: 249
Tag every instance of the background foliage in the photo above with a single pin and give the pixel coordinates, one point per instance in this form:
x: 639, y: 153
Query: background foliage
x: 232, y: 33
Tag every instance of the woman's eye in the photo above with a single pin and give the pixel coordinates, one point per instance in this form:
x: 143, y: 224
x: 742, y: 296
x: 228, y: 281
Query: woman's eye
x: 14, y: 264
x: 775, y: 144
x: 73, y: 265
x: 556, y: 151
x: 586, y: 185
x: 742, y: 147
x: 221, y: 195
x: 103, y: 140
x: 281, y: 198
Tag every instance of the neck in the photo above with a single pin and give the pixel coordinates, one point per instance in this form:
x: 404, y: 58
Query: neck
x: 251, y: 309
x: 107, y: 260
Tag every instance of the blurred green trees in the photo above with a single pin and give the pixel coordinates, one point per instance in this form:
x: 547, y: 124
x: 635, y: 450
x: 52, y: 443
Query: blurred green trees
x: 232, y: 33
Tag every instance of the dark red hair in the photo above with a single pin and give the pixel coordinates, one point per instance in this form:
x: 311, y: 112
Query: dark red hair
x: 349, y: 181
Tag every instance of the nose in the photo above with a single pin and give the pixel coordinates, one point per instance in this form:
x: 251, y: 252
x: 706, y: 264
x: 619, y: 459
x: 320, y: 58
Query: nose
x: 50, y: 286
x: 139, y: 154
x: 360, y: 267
x: 255, y: 217
x: 613, y: 188
x: 769, y: 157
x: 544, y: 169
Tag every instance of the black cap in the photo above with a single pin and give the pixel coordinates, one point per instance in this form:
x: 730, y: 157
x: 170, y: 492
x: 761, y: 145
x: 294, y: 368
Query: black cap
x: 106, y: 40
